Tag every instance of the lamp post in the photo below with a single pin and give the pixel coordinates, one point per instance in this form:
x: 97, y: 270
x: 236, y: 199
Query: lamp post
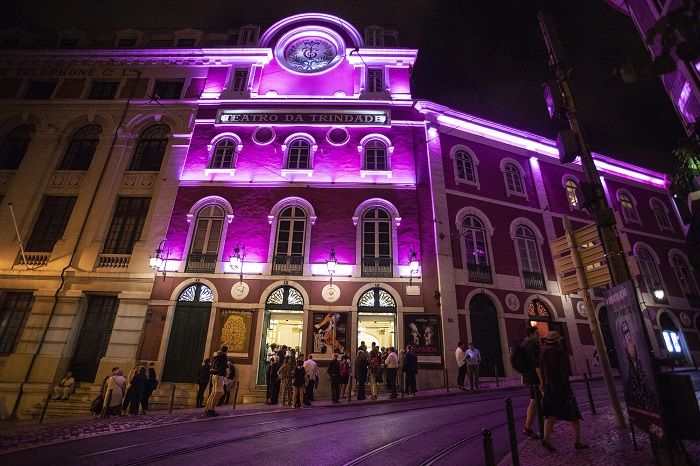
x: 158, y: 262
x: 236, y: 259
x: 331, y: 262
x: 413, y: 265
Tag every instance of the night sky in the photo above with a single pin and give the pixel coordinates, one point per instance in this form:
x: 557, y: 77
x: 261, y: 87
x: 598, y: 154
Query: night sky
x: 486, y: 58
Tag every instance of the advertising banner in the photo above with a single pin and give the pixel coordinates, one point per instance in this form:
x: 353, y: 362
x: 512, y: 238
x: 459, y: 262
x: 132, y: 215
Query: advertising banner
x: 235, y: 332
x: 634, y: 358
x: 329, y: 334
x: 422, y: 334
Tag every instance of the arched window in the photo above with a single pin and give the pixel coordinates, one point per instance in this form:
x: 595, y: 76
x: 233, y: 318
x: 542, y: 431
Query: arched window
x: 224, y: 155
x: 376, y: 243
x: 684, y: 275
x: 289, y: 244
x: 476, y: 248
x: 529, y: 258
x: 514, y: 179
x: 81, y: 148
x: 204, y: 249
x: 15, y: 146
x: 299, y: 155
x: 661, y: 215
x: 571, y: 187
x: 465, y: 166
x: 150, y: 149
x: 647, y: 265
x: 628, y: 209
x: 671, y: 336
x: 376, y: 300
x: 376, y: 156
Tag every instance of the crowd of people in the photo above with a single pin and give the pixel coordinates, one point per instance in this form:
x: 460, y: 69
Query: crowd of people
x: 121, y: 395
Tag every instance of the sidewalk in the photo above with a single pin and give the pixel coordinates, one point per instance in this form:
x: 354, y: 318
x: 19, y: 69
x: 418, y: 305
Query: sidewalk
x: 18, y: 435
x: 608, y: 445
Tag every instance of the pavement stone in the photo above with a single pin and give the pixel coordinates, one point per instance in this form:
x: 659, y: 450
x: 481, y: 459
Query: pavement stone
x: 18, y: 435
x: 608, y: 445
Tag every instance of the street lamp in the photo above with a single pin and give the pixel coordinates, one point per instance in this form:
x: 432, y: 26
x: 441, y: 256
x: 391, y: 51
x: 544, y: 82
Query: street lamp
x: 413, y: 264
x: 236, y: 259
x: 159, y: 261
x: 331, y: 262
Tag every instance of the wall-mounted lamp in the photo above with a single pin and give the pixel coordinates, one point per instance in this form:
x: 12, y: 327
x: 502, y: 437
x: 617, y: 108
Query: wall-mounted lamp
x: 236, y: 259
x: 159, y: 261
x: 659, y: 294
x: 414, y: 264
x: 331, y: 262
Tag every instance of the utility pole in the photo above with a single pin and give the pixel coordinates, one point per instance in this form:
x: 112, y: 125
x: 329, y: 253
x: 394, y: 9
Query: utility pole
x: 602, y: 213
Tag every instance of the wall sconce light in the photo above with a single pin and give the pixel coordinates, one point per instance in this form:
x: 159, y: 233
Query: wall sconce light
x: 331, y: 262
x: 659, y: 294
x: 414, y: 264
x: 236, y: 260
x: 159, y: 261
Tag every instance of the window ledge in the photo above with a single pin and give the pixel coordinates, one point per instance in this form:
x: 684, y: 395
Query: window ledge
x: 366, y: 173
x: 468, y: 182
x: 225, y: 171
x: 297, y: 171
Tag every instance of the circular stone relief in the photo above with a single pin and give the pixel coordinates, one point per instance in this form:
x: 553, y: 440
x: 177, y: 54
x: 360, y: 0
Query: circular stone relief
x: 240, y: 290
x: 581, y: 308
x: 264, y: 135
x: 338, y: 136
x: 309, y: 54
x: 685, y: 319
x: 330, y: 293
x: 512, y: 302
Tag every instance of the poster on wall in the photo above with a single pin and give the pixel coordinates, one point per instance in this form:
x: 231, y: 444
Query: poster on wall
x: 329, y: 332
x: 422, y: 334
x: 634, y: 358
x: 235, y: 332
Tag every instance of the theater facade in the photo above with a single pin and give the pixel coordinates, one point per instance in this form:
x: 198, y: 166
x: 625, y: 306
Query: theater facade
x: 174, y: 193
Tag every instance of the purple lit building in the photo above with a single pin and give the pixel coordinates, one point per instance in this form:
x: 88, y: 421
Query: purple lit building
x: 288, y: 189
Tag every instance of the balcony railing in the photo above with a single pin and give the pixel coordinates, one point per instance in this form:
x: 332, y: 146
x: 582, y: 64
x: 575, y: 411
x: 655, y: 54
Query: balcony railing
x: 479, y: 273
x: 201, y: 263
x: 287, y: 265
x: 534, y: 280
x: 34, y: 259
x: 113, y: 261
x: 377, y: 267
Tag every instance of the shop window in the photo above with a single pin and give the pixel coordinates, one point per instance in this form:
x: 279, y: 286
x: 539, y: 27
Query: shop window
x: 150, y: 149
x: 14, y: 146
x: 81, y: 148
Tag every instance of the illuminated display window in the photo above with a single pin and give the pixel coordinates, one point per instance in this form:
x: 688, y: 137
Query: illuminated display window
x: 672, y: 341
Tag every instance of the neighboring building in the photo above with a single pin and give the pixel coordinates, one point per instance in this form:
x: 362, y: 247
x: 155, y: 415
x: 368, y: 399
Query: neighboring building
x: 288, y: 190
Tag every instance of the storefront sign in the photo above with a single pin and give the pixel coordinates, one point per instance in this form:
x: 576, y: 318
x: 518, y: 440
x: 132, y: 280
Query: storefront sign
x: 638, y: 374
x: 306, y: 117
x: 329, y: 332
x: 422, y: 334
x: 235, y: 332
x: 67, y: 72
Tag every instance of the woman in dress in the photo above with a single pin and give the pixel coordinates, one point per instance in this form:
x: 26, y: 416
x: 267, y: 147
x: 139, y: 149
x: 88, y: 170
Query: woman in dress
x: 344, y: 374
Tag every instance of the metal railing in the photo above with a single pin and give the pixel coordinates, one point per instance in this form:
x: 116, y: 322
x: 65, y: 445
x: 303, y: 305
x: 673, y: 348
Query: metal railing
x: 113, y: 261
x: 479, y: 273
x: 288, y: 265
x: 201, y: 263
x: 534, y: 280
x: 377, y: 267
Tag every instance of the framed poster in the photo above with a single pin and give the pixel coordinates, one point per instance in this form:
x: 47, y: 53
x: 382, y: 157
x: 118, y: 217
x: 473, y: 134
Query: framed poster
x: 634, y: 359
x: 329, y: 334
x: 235, y: 332
x: 422, y: 334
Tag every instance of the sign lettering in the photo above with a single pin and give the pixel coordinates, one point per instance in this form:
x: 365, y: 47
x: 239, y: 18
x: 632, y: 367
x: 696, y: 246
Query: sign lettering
x: 341, y: 117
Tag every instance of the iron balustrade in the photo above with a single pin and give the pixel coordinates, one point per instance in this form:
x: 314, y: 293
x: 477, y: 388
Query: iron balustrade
x: 288, y: 265
x: 479, y: 273
x: 534, y: 280
x: 201, y: 263
x: 377, y: 267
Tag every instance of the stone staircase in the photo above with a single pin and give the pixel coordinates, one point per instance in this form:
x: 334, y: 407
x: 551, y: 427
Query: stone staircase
x: 77, y: 405
x: 185, y: 396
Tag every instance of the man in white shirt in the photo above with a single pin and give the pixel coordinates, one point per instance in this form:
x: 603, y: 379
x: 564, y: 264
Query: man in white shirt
x: 311, y: 369
x: 461, y: 365
x: 473, y: 360
x: 392, y: 367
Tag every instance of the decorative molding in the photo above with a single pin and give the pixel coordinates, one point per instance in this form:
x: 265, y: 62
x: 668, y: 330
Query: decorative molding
x: 139, y: 180
x: 66, y: 180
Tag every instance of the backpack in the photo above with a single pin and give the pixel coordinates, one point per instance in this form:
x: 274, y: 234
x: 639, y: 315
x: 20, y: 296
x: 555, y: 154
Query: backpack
x: 520, y: 360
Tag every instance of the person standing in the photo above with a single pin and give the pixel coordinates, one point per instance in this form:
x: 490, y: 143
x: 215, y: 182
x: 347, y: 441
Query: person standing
x: 473, y: 361
x: 218, y: 376
x: 136, y: 390
x: 532, y: 376
x: 559, y: 401
x: 228, y: 386
x: 344, y: 374
x: 375, y: 370
x: 203, y: 378
x: 268, y: 379
x: 114, y: 393
x: 361, y: 372
x: 274, y: 382
x: 65, y: 387
x: 311, y: 369
x: 334, y: 374
x: 410, y: 368
x: 392, y: 366
x: 299, y: 380
x: 151, y: 385
x: 461, y: 359
x: 285, y: 374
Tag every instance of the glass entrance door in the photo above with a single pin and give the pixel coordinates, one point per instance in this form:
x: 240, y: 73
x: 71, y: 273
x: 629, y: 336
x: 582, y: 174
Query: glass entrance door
x: 377, y: 328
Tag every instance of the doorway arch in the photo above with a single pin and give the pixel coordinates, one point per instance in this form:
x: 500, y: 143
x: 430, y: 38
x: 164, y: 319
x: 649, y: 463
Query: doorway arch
x: 376, y: 318
x: 486, y: 335
x: 607, y: 336
x: 188, y: 334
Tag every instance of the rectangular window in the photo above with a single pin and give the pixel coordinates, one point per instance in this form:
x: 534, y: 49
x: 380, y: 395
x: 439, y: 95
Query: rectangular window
x: 13, y: 316
x: 40, y: 89
x: 167, y: 89
x: 51, y: 223
x: 185, y: 42
x: 374, y: 80
x: 104, y: 90
x: 68, y: 43
x: 126, y: 43
x: 248, y: 36
x: 127, y: 225
x: 240, y: 79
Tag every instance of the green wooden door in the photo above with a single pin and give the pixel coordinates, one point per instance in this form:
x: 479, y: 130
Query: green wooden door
x: 188, y: 336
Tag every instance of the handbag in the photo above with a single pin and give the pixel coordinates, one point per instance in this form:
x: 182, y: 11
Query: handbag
x: 96, y: 405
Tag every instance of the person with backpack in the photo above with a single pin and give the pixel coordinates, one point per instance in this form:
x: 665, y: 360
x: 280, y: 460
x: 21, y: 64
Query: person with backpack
x: 218, y: 377
x: 334, y: 374
x: 526, y: 360
x: 344, y: 374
